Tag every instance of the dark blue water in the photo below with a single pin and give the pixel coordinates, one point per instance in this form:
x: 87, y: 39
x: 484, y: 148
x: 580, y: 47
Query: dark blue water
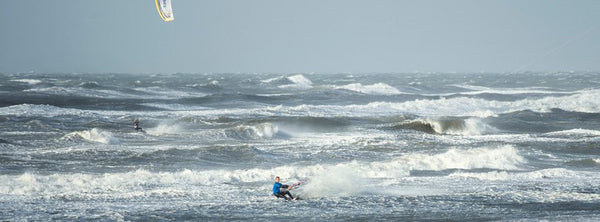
x: 367, y: 146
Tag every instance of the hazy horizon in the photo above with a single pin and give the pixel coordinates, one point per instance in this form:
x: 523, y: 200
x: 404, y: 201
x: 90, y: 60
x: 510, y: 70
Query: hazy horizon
x: 267, y: 36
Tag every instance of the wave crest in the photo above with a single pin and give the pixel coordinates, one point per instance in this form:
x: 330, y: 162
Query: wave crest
x: 260, y: 131
x: 374, y: 89
x: 93, y: 135
x: 298, y: 82
x: 453, y: 126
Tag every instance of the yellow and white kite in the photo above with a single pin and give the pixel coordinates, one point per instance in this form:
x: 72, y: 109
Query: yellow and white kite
x: 165, y: 10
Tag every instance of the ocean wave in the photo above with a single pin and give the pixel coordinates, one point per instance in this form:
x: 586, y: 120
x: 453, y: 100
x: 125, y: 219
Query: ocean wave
x: 349, y: 178
x: 28, y: 81
x: 553, y: 173
x: 584, y: 101
x: 575, y: 132
x: 453, y: 126
x: 374, y: 89
x: 95, y: 90
x: 584, y: 163
x: 477, y: 90
x: 161, y: 93
x: 93, y: 135
x: 164, y: 129
x: 90, y: 85
x: 174, y: 106
x: 88, y: 89
x: 504, y: 157
x: 214, y: 84
x: 461, y: 106
x: 298, y: 82
x: 40, y: 110
x: 259, y: 131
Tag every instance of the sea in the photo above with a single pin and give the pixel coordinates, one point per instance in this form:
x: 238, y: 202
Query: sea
x: 372, y: 146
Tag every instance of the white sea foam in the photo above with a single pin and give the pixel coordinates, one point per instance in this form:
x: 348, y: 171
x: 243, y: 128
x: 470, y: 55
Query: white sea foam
x: 79, y: 91
x: 553, y: 173
x: 346, y: 179
x: 272, y: 80
x: 336, y: 181
x: 164, y: 129
x: 374, y: 89
x: 575, y: 132
x: 462, y: 106
x: 259, y: 131
x: 584, y: 101
x: 40, y: 110
x: 298, y: 82
x: 468, y: 127
x: 144, y: 92
x: 476, y: 90
x: 93, y: 135
x: 505, y: 157
x: 174, y: 106
x: 161, y: 93
x: 28, y: 81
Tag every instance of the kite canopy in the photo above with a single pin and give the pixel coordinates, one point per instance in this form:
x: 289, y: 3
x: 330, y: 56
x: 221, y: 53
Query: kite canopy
x: 165, y: 10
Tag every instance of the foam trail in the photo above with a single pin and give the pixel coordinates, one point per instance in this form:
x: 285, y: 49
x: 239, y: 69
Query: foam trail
x: 336, y: 181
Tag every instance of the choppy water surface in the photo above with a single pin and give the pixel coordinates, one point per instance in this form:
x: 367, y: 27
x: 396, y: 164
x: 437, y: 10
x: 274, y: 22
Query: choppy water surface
x: 368, y: 146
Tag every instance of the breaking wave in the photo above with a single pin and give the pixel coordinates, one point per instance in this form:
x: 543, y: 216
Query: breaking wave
x: 374, y: 89
x: 554, y: 173
x: 453, y: 126
x: 259, y: 131
x: 93, y: 135
x: 163, y: 129
x: 28, y: 81
x: 343, y: 179
x: 298, y: 82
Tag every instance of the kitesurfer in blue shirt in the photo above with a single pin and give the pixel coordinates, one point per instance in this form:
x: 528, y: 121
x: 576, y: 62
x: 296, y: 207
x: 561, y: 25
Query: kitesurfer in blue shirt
x: 279, y: 192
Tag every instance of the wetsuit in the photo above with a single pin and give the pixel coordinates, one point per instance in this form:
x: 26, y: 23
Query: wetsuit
x: 281, y: 193
x: 136, y: 126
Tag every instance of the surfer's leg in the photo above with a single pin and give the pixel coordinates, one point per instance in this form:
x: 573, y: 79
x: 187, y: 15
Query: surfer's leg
x: 280, y: 195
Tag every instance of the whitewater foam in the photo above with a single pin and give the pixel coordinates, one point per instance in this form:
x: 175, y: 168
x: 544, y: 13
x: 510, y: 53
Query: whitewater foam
x: 28, y: 81
x: 347, y: 178
x: 93, y: 135
x: 298, y: 82
x: 505, y: 157
x: 374, y: 89
x: 455, y: 126
x: 161, y: 93
x: 164, y: 128
x: 477, y: 90
x: 575, y: 132
x: 258, y: 131
x: 553, y: 173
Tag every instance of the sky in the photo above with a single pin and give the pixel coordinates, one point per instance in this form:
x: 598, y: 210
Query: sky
x: 308, y: 36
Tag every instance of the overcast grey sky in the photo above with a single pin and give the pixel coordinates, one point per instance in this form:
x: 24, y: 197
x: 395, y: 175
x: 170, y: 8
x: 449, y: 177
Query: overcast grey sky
x: 324, y: 36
